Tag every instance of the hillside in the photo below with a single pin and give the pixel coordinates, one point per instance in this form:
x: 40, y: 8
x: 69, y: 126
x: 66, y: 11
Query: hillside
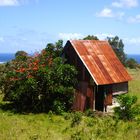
x: 14, y: 126
x: 134, y: 85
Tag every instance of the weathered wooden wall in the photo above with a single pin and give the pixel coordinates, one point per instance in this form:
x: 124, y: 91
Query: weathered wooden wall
x: 120, y: 88
x: 85, y: 89
x: 84, y: 97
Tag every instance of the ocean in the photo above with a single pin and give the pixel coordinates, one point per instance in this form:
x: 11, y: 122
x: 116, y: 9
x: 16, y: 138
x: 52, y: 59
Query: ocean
x: 135, y: 56
x: 5, y: 57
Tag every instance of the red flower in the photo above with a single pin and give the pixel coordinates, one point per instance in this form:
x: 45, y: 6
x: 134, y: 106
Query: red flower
x: 29, y: 76
x: 14, y: 79
x: 35, y: 68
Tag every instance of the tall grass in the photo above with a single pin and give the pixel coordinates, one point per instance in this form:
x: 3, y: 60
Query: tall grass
x: 14, y: 126
x: 134, y: 85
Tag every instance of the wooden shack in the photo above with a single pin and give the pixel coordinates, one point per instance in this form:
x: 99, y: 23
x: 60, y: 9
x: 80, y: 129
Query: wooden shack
x: 100, y: 73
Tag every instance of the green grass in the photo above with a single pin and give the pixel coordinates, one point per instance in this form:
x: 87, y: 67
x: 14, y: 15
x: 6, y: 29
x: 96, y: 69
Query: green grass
x: 134, y: 85
x: 42, y: 127
x: 14, y: 126
x: 23, y: 127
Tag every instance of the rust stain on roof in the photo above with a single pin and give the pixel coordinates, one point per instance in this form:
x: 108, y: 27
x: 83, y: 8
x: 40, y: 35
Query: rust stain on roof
x: 101, y: 61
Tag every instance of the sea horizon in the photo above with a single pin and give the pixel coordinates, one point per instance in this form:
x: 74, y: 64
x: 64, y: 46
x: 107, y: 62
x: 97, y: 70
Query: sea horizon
x: 5, y: 57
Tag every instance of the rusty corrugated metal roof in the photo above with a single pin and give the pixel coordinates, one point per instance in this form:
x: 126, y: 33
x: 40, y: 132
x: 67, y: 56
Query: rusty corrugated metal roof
x: 101, y: 61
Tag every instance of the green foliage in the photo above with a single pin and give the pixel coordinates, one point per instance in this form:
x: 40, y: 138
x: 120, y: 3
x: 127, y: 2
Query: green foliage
x: 90, y: 113
x: 78, y: 135
x: 90, y: 37
x: 58, y: 107
x: 128, y: 109
x: 2, y: 75
x: 40, y: 83
x: 118, y: 47
x: 67, y: 116
x: 51, y: 126
x: 54, y: 50
x: 76, y: 118
x: 21, y: 55
x: 131, y: 63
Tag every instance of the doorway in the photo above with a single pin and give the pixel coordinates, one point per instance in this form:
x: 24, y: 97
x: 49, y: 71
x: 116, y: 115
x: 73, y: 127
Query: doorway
x: 99, y: 98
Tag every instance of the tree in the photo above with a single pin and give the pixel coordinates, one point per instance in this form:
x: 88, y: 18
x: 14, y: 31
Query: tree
x: 90, y: 37
x: 21, y: 55
x: 118, y: 47
x: 128, y: 109
x: 40, y: 83
x: 55, y: 50
x: 2, y: 75
x: 59, y: 47
x: 131, y: 63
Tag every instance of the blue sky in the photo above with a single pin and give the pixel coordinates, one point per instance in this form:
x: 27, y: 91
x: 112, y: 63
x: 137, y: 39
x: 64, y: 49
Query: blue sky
x: 30, y: 24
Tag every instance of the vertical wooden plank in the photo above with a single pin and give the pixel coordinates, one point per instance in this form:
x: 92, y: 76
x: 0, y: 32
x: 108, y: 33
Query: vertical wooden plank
x: 108, y: 99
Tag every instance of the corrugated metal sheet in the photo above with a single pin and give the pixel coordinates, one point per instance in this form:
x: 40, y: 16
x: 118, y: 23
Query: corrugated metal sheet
x: 101, y: 61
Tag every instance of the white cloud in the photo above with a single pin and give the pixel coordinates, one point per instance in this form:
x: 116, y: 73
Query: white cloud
x: 106, y: 12
x: 9, y: 2
x: 103, y: 36
x: 132, y: 41
x: 135, y: 19
x: 1, y: 39
x: 68, y: 36
x: 14, y: 43
x: 28, y: 40
x: 125, y: 3
x: 15, y: 2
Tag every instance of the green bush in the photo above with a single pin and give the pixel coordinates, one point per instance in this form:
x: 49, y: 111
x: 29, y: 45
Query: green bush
x: 76, y: 118
x: 90, y: 113
x: 67, y: 116
x: 128, y: 109
x: 50, y: 115
x: 2, y: 75
x: 90, y: 122
x: 58, y: 107
x: 40, y: 83
x: 131, y: 63
x: 77, y: 135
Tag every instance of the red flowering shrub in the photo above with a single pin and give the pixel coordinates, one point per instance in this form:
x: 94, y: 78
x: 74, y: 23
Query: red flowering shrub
x: 40, y: 83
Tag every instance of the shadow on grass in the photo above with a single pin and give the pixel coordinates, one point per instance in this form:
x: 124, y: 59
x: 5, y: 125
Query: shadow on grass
x: 18, y: 109
x: 10, y: 107
x: 14, y: 108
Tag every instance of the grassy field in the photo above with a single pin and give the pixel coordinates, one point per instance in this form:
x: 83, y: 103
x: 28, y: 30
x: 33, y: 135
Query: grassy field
x: 14, y: 126
x: 134, y: 85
